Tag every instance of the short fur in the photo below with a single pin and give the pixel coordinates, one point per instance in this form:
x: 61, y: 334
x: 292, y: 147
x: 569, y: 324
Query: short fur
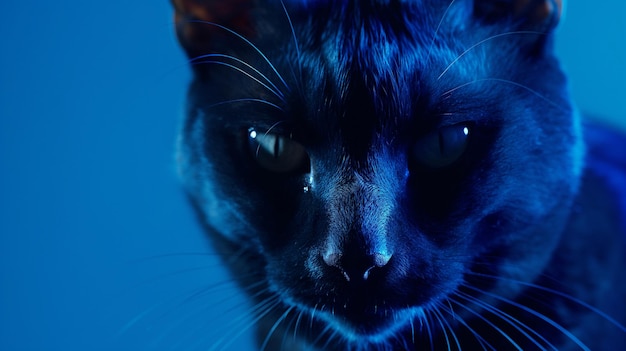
x: 443, y: 192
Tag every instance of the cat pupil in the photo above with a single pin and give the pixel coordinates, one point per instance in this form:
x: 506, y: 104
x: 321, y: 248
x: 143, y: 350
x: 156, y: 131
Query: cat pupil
x: 277, y: 153
x: 442, y: 147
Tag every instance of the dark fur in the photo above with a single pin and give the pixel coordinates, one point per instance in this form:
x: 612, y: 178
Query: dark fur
x: 511, y: 244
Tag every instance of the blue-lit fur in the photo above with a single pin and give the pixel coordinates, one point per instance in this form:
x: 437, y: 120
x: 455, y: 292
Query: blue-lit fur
x: 516, y: 245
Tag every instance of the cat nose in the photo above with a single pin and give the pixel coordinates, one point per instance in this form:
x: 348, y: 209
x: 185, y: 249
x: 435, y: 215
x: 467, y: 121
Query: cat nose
x: 356, y: 267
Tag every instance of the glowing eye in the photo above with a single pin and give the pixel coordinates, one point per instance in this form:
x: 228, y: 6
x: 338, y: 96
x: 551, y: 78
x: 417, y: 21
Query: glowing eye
x: 442, y: 147
x: 277, y: 153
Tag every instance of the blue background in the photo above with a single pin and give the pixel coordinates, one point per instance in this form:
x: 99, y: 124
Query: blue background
x: 98, y: 248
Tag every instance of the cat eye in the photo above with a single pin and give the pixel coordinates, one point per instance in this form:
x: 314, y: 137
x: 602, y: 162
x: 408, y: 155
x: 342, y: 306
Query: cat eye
x: 442, y: 147
x: 277, y: 153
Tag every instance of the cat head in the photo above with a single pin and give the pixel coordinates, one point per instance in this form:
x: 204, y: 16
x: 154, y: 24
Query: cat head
x: 367, y: 157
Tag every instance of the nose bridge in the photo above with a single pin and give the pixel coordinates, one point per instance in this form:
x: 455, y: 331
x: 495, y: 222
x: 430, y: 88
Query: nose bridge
x: 374, y: 214
x: 358, y: 203
x: 357, y: 238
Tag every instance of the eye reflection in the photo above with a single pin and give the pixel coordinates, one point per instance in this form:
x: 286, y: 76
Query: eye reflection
x: 277, y: 153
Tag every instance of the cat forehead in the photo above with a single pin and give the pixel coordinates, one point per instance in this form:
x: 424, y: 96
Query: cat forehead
x: 205, y: 26
x: 383, y: 40
x: 386, y: 59
x: 385, y: 18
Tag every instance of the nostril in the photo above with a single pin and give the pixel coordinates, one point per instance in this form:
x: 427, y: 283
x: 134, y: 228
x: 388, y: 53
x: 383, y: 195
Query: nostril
x: 381, y: 260
x: 355, y: 266
x: 332, y: 258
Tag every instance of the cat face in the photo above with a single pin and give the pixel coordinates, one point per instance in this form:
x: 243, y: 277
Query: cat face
x: 365, y: 159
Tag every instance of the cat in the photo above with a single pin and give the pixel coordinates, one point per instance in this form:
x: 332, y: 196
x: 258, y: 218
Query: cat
x: 403, y: 175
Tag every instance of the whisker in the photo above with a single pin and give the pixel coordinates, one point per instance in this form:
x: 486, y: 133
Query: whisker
x: 445, y: 331
x: 500, y: 80
x: 245, y: 73
x: 512, y: 321
x: 534, y: 313
x: 168, y: 255
x: 329, y: 339
x: 135, y: 320
x: 312, y: 316
x: 482, y: 42
x: 198, y: 312
x: 476, y: 335
x: 209, y: 308
x: 153, y: 281
x: 247, y: 42
x: 412, y: 331
x: 428, y: 330
x: 274, y: 327
x: 233, y: 101
x: 267, y: 132
x: 153, y: 308
x: 167, y: 309
x: 436, y: 33
x: 212, y: 289
x: 488, y: 322
x: 293, y: 35
x: 560, y: 294
x: 263, y: 309
x: 201, y: 310
x: 236, y: 59
x: 287, y: 330
x: 322, y: 334
x: 224, y: 332
x: 449, y: 327
x: 178, y: 272
x: 295, y: 328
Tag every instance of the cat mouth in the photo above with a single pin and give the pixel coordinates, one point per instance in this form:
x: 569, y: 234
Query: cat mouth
x: 375, y: 322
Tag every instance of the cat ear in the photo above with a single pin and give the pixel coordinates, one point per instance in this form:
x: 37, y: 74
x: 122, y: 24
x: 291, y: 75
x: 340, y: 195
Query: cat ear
x: 201, y: 25
x: 539, y: 15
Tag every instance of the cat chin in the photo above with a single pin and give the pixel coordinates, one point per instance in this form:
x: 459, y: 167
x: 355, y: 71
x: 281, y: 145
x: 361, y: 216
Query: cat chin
x: 380, y: 334
x: 364, y: 332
